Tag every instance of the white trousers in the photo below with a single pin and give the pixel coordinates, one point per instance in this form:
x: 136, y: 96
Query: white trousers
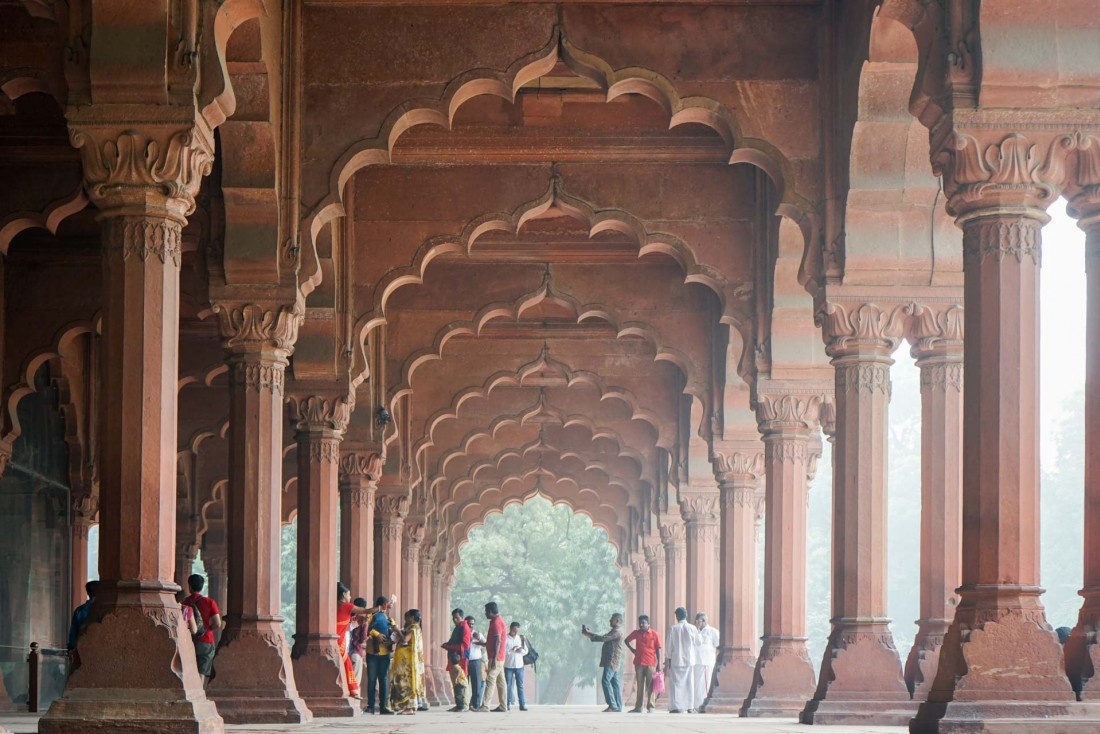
x: 702, y: 674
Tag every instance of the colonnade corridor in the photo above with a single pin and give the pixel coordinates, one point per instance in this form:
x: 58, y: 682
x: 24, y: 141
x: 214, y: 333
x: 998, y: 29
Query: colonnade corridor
x: 301, y: 299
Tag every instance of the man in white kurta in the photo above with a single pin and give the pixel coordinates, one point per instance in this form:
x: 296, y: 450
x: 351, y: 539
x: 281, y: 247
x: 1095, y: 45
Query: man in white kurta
x: 682, y: 655
x: 706, y: 656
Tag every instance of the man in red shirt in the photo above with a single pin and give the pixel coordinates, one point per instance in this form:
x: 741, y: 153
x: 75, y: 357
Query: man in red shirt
x: 206, y: 610
x: 647, y: 656
x: 494, y: 653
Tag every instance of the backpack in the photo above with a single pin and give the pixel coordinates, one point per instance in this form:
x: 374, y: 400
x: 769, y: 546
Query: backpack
x: 199, y: 622
x: 532, y: 656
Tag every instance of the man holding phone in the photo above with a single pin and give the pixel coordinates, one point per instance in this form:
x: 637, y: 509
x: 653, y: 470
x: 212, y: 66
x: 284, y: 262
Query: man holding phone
x: 611, y: 656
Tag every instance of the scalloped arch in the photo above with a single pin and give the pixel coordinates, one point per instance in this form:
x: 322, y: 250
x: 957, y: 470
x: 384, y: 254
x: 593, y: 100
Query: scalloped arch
x: 506, y: 84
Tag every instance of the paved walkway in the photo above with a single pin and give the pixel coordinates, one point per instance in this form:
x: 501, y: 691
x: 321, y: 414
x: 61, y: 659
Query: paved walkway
x: 539, y: 720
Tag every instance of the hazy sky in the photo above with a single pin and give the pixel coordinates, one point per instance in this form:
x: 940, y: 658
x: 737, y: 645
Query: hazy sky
x: 1062, y: 300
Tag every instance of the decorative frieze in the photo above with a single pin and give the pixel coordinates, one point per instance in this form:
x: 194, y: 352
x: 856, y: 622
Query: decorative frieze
x: 324, y: 450
x: 1001, y: 238
x: 258, y: 376
x: 864, y: 378
x: 140, y: 237
x: 738, y: 467
x: 941, y: 377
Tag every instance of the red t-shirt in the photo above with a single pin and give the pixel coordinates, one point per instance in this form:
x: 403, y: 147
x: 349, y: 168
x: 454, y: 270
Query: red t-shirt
x: 645, y: 646
x: 496, y: 632
x: 207, y: 608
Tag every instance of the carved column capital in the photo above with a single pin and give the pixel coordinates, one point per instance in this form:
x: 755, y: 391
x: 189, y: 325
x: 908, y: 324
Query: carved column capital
x: 259, y: 327
x: 217, y: 562
x: 788, y: 409
x: 937, y: 330
x: 158, y: 166
x: 1084, y: 195
x: 654, y: 554
x: 735, y: 468
x: 700, y: 509
x: 427, y: 557
x: 328, y: 412
x: 856, y: 326
x: 1022, y: 172
x: 390, y: 507
x: 361, y: 464
x: 673, y: 535
x: 85, y: 511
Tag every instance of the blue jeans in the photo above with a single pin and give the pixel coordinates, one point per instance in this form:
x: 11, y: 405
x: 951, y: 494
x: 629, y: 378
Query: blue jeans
x: 612, y: 689
x: 514, y: 676
x: 477, y: 683
x: 378, y: 674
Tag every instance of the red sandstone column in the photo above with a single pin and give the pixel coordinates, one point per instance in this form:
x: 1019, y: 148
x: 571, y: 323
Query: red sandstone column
x: 1000, y: 664
x: 359, y: 473
x: 1082, y: 650
x: 658, y: 584
x: 861, y: 679
x: 938, y: 349
x: 630, y: 601
x: 390, y: 509
x: 410, y: 563
x: 430, y: 613
x: 84, y: 511
x: 641, y: 582
x: 255, y: 679
x: 143, y: 177
x: 739, y: 475
x: 701, y: 513
x: 318, y: 668
x: 784, y: 676
x: 446, y: 604
x: 674, y: 538
x: 217, y: 574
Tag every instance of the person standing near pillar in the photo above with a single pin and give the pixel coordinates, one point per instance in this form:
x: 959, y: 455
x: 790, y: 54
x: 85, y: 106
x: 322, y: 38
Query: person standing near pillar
x: 476, y: 665
x: 647, y: 661
x: 379, y: 646
x: 458, y: 649
x: 495, y: 651
x: 683, y: 643
x: 611, y: 657
x: 706, y: 656
x: 207, y: 613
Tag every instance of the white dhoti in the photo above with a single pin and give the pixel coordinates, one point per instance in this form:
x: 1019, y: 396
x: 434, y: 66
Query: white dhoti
x: 681, y: 688
x: 702, y: 674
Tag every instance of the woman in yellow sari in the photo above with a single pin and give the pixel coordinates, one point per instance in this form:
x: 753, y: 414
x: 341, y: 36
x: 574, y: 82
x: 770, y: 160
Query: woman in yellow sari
x: 407, y: 673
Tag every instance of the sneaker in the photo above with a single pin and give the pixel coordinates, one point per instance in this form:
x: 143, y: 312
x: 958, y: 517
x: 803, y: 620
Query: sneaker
x: 499, y: 710
x: 636, y: 711
x: 522, y: 708
x: 482, y: 709
x: 385, y: 711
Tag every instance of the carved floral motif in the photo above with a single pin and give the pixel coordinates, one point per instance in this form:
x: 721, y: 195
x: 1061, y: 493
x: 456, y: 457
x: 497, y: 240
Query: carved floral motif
x: 941, y: 377
x: 739, y: 466
x: 258, y: 377
x: 316, y: 412
x: 848, y: 326
x: 1002, y: 238
x: 864, y: 378
x: 361, y: 464
x: 776, y: 411
x: 254, y: 325
x: 119, y: 164
x: 143, y: 237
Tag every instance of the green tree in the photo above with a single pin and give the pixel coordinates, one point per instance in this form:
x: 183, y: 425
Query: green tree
x: 550, y: 570
x: 289, y: 581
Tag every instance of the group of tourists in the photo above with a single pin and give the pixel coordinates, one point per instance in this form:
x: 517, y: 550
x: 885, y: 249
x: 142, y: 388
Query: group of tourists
x: 480, y: 665
x: 688, y: 669
x: 388, y: 655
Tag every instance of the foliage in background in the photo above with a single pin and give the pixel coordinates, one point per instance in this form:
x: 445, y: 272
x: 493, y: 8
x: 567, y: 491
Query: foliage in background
x: 550, y: 570
x: 289, y: 580
x: 1062, y: 516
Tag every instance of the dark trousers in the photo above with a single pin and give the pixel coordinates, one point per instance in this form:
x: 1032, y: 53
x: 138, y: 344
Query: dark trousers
x: 378, y: 674
x: 514, y: 676
x: 477, y: 683
x: 612, y: 689
x: 643, y: 677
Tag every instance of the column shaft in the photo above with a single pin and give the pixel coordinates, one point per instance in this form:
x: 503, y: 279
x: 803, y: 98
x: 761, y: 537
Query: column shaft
x: 674, y: 538
x: 410, y: 565
x: 861, y: 679
x: 136, y: 617
x: 1082, y: 648
x: 784, y: 676
x: 389, y: 524
x: 940, y: 363
x: 1000, y: 658
x: 701, y: 514
x: 318, y: 666
x: 359, y: 474
x: 255, y: 680
x: 737, y: 632
x: 658, y: 585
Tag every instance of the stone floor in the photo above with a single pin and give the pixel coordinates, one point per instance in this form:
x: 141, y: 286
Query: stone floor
x: 539, y: 720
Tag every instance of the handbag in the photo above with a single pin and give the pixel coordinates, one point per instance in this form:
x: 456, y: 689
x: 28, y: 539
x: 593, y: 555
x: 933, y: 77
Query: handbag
x: 658, y: 683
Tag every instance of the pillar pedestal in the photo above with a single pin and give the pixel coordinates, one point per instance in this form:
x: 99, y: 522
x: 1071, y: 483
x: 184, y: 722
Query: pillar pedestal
x: 1001, y: 667
x: 318, y: 665
x: 143, y: 180
x: 784, y: 676
x: 255, y: 681
x: 739, y: 475
x: 861, y: 679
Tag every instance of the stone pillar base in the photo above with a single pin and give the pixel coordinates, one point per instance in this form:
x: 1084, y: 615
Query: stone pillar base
x: 783, y: 680
x: 319, y: 669
x: 732, y: 682
x: 1001, y: 669
x: 924, y: 656
x: 861, y: 680
x: 255, y: 680
x: 1006, y: 717
x: 157, y: 690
